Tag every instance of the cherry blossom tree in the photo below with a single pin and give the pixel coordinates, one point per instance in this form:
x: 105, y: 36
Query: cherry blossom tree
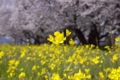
x: 92, y: 21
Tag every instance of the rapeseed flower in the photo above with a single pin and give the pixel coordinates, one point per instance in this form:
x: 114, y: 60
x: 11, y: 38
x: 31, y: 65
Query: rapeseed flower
x: 43, y: 71
x: 17, y: 62
x: 46, y: 77
x: 34, y: 67
x: 56, y: 33
x: 115, y: 58
x: 68, y: 32
x: 70, y: 59
x: 11, y: 74
x: 101, y: 75
x: 14, y: 62
x: 81, y: 76
x: 22, y: 54
x: 52, y: 66
x: 61, y: 62
x: 96, y: 60
x: 59, y: 37
x: 55, y: 76
x: 21, y: 75
x: 51, y: 38
x: 87, y: 71
x: 38, y: 74
x: 1, y: 54
x: 117, y: 40
x: 82, y: 60
x: 114, y: 74
x: 71, y: 42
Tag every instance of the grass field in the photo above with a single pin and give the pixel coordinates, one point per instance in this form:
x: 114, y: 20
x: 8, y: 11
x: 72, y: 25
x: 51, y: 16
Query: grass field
x: 59, y: 62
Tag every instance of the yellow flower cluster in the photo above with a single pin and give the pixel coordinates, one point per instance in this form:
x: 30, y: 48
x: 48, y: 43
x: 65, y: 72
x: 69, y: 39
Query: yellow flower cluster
x: 117, y: 40
x: 64, y: 62
x: 56, y: 77
x: 21, y: 75
x: 12, y: 66
x: 80, y: 76
x: 59, y: 38
x: 114, y: 74
x: 1, y: 54
x: 101, y: 75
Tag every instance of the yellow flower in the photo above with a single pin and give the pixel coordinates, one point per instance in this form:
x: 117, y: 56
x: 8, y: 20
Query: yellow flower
x: 11, y: 74
x: 28, y: 58
x: 1, y: 54
x: 43, y: 71
x: 22, y: 53
x: 114, y: 74
x: 96, y: 60
x: 107, y: 47
x: 46, y: 77
x: 65, y: 74
x: 117, y: 40
x: 38, y: 74
x: 21, y: 75
x: 87, y: 71
x: 82, y: 60
x: 59, y: 39
x: 88, y: 76
x: 51, y: 38
x: 56, y: 77
x: 107, y: 70
x: 70, y: 59
x: 115, y: 58
x: 52, y: 66
x: 79, y: 76
x: 56, y: 33
x: 34, y: 67
x: 11, y: 62
x: 17, y: 62
x: 101, y: 75
x: 67, y: 32
x: 71, y: 42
